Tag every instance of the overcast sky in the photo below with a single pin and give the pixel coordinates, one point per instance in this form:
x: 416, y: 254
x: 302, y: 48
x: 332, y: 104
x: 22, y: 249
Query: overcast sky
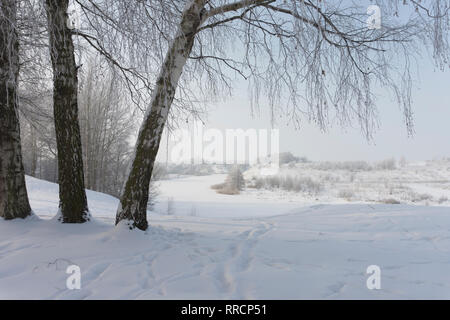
x: 431, y: 106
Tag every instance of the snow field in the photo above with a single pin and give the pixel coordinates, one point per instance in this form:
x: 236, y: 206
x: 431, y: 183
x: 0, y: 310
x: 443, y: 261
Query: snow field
x: 306, y: 252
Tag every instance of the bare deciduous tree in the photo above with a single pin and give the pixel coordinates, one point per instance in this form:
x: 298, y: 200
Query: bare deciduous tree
x: 107, y: 124
x: 72, y: 196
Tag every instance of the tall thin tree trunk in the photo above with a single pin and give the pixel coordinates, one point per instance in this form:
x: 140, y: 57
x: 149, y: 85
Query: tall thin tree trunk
x: 134, y: 199
x: 13, y: 193
x: 72, y: 196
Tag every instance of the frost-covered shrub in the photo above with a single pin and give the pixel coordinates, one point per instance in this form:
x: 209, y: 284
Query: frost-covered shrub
x: 345, y: 165
x: 303, y: 159
x: 289, y: 183
x: 228, y: 190
x: 346, y: 194
x: 218, y: 186
x: 287, y: 157
x: 273, y: 182
x: 419, y: 197
x: 235, y: 179
x: 233, y: 184
x: 257, y: 183
x: 390, y: 201
x: 388, y: 164
x: 331, y: 178
x: 442, y: 200
x: 308, y: 185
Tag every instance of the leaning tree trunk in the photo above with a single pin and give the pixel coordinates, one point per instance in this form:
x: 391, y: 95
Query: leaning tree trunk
x: 13, y: 193
x: 133, y: 202
x: 72, y: 196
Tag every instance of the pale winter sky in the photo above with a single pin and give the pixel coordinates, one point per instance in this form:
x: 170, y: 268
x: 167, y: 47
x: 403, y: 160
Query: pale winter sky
x: 431, y: 106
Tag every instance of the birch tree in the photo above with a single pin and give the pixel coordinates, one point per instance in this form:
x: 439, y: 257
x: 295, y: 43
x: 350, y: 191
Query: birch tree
x: 72, y: 196
x: 319, y: 57
x: 13, y: 193
x: 107, y: 124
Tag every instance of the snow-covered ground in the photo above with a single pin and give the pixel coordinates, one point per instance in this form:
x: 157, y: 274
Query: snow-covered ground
x: 423, y: 183
x: 219, y: 247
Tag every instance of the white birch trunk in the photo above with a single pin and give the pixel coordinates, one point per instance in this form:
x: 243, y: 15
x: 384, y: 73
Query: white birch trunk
x: 134, y: 199
x: 13, y: 193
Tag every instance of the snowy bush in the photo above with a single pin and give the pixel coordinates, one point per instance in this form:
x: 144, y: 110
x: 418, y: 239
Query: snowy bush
x: 233, y: 184
x: 273, y: 182
x: 419, y: 197
x: 442, y: 200
x: 218, y: 186
x: 289, y: 183
x: 345, y: 165
x: 308, y: 185
x: 331, y: 178
x: 235, y: 179
x: 287, y: 157
x: 388, y: 164
x: 390, y: 201
x: 228, y: 190
x: 346, y: 194
x: 259, y: 183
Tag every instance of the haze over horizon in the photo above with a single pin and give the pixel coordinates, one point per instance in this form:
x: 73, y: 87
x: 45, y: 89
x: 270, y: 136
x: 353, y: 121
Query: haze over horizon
x: 431, y: 107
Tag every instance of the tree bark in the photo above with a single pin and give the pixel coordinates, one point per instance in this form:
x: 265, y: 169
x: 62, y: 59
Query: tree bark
x: 134, y: 199
x: 13, y: 193
x: 72, y: 196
